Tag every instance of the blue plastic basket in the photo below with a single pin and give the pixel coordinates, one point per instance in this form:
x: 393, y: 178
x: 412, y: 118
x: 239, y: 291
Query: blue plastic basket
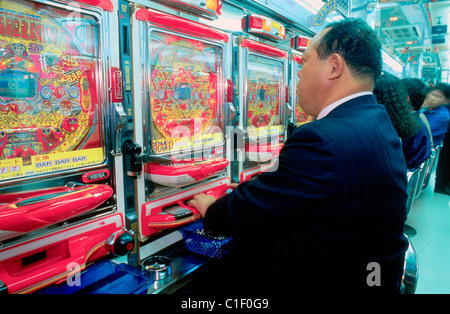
x: 205, y: 243
x: 106, y: 278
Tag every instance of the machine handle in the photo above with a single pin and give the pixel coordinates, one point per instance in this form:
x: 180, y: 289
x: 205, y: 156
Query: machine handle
x: 132, y: 163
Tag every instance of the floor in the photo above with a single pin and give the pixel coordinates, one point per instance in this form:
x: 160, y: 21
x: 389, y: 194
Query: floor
x: 430, y: 220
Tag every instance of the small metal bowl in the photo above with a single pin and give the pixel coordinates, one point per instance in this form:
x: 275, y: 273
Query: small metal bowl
x: 157, y: 267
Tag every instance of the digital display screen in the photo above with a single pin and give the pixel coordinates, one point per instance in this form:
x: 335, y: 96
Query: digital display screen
x: 18, y: 85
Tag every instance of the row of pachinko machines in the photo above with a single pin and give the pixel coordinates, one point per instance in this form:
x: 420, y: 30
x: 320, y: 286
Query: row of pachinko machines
x: 113, y: 114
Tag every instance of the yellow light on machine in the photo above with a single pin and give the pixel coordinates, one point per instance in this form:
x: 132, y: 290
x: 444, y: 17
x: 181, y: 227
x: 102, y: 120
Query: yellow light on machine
x: 212, y: 4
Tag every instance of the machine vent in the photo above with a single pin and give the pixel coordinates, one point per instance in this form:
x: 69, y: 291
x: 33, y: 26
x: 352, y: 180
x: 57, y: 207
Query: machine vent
x: 403, y: 32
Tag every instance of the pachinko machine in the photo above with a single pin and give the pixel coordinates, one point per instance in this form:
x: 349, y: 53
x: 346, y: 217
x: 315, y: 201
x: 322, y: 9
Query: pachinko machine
x: 178, y: 93
x: 58, y: 196
x: 261, y: 76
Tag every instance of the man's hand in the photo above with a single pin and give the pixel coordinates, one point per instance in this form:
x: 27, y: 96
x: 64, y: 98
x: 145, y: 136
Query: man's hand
x: 201, y: 202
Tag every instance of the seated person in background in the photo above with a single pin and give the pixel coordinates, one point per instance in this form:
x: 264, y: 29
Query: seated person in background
x: 391, y: 93
x: 417, y: 148
x: 438, y: 116
x: 416, y: 91
x: 442, y: 184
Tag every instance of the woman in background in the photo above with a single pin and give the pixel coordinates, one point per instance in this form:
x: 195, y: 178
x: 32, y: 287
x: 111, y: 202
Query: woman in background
x: 390, y: 92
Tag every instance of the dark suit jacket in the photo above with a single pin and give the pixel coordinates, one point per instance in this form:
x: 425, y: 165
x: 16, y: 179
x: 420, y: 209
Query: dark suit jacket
x: 335, y: 204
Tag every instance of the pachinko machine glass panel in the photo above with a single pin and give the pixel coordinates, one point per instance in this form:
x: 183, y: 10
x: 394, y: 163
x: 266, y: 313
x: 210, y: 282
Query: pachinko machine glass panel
x: 183, y: 127
x: 186, y: 83
x: 299, y: 116
x: 56, y: 189
x: 264, y: 80
x: 299, y: 45
x: 50, y: 113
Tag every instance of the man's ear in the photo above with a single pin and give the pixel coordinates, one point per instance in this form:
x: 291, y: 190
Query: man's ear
x: 337, y: 64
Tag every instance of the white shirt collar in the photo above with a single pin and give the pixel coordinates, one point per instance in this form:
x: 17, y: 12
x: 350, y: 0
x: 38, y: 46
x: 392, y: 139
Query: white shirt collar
x: 325, y: 111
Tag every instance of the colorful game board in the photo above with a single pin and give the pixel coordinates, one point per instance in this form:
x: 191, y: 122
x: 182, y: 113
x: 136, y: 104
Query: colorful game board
x: 184, y: 100
x: 264, y: 92
x: 49, y: 105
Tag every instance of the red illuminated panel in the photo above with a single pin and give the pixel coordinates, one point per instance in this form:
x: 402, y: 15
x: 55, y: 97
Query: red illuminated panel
x: 263, y: 48
x: 298, y: 59
x: 255, y: 22
x: 180, y: 24
x: 300, y: 43
x: 263, y: 27
x: 106, y: 5
x: 210, y: 9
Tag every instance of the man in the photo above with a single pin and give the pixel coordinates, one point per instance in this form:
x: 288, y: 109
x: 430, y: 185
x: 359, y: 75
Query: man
x: 330, y: 219
x: 437, y: 115
x: 442, y: 103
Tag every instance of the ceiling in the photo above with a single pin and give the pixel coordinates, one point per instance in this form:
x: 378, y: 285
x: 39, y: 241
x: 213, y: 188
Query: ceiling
x: 405, y: 28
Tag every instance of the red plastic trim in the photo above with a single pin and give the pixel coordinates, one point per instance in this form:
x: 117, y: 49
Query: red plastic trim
x: 156, y: 221
x: 106, y: 5
x: 263, y: 48
x: 35, y: 212
x: 298, y: 59
x: 79, y: 244
x: 180, y: 24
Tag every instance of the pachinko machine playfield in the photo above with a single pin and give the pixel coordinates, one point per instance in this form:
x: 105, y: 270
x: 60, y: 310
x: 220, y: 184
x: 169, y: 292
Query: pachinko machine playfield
x: 179, y: 80
x: 58, y: 197
x: 298, y: 45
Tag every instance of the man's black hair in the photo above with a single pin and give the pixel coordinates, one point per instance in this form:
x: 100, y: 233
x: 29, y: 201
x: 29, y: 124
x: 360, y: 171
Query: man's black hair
x: 416, y: 91
x: 357, y: 43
